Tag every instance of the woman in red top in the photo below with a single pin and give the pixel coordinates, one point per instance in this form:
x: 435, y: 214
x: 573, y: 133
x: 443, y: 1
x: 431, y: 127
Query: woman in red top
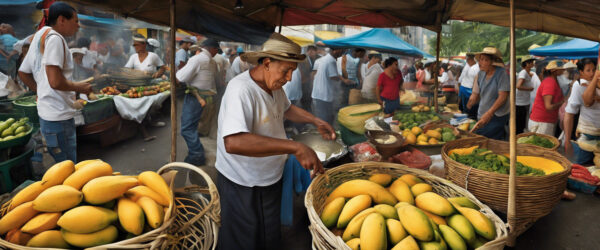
x: 420, y: 74
x: 389, y: 85
x: 548, y: 99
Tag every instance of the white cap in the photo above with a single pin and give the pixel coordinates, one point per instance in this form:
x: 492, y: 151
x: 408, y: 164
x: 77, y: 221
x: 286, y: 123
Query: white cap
x: 153, y: 42
x: 77, y: 50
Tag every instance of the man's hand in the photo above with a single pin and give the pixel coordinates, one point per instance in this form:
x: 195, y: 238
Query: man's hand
x: 308, y: 159
x: 156, y: 75
x: 84, y: 87
x: 485, y: 119
x: 325, y: 129
x: 568, y: 148
x: 348, y: 81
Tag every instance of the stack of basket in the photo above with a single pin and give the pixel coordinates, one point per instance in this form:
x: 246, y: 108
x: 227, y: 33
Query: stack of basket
x: 536, y: 196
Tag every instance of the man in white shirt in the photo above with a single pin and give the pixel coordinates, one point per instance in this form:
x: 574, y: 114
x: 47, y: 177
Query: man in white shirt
x: 145, y: 60
x: 252, y: 147
x: 465, y: 83
x: 48, y: 68
x: 199, y: 74
x: 325, y: 82
x: 524, y: 88
x: 182, y: 56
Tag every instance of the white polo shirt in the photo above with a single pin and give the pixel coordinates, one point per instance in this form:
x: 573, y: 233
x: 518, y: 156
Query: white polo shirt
x: 468, y: 75
x: 323, y: 86
x: 199, y: 72
x: 246, y: 108
x: 52, y: 104
x: 293, y: 88
x: 150, y: 63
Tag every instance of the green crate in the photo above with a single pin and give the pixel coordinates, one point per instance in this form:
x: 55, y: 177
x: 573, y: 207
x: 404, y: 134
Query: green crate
x: 28, y: 111
x: 98, y: 110
x: 16, y: 169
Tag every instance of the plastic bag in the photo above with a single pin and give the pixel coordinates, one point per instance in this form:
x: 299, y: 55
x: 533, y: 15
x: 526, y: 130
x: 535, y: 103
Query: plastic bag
x: 362, y: 152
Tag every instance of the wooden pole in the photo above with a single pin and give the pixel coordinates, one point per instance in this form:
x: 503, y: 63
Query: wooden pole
x: 281, y: 19
x: 436, y: 69
x: 511, y: 240
x: 173, y: 82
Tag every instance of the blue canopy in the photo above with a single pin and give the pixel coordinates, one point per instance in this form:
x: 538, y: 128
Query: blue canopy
x: 382, y: 40
x: 99, y: 21
x: 17, y: 2
x: 574, y: 49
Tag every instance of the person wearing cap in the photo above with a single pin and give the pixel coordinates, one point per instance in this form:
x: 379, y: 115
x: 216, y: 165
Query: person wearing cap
x: 144, y: 60
x: 465, y: 81
x: 239, y: 65
x: 252, y: 146
x: 372, y: 73
x: 182, y: 56
x: 8, y: 56
x: 199, y: 74
x: 524, y: 88
x: 549, y: 98
x: 490, y: 89
x: 48, y: 70
x: 80, y: 72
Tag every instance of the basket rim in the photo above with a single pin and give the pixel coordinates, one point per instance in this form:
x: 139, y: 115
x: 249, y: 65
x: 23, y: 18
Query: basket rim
x: 549, y: 137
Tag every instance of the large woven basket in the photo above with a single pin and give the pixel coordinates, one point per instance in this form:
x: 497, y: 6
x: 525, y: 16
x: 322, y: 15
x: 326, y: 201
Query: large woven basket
x: 178, y: 226
x: 536, y: 196
x: 321, y: 186
x: 551, y: 138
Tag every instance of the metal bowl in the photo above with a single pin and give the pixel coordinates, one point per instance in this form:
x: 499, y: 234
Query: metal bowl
x: 333, y: 150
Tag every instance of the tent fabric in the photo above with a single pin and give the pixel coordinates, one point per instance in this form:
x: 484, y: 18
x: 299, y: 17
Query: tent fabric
x: 17, y: 2
x: 574, y: 49
x: 92, y: 20
x: 381, y: 40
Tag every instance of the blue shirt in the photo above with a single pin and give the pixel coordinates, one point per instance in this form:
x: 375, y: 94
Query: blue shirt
x: 293, y: 88
x: 323, y: 86
x: 181, y: 56
x: 7, y: 41
x: 488, y: 91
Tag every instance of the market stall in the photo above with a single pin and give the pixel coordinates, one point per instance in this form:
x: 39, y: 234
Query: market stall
x: 574, y: 49
x: 381, y: 40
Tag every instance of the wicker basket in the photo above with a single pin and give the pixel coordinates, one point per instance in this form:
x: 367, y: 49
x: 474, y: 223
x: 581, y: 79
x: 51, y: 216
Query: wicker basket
x: 536, y: 196
x: 551, y: 138
x: 321, y: 186
x: 175, y: 227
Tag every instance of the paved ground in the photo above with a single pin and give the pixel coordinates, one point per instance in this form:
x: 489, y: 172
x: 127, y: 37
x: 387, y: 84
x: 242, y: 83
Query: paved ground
x: 571, y: 225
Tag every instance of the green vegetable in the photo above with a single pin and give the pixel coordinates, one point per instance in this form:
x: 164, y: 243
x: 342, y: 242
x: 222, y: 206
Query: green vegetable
x: 20, y: 129
x: 486, y: 160
x: 448, y: 136
x: 6, y: 124
x: 8, y: 138
x: 536, y: 140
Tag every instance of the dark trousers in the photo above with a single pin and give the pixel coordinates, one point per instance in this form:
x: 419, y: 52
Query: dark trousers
x: 250, y: 216
x: 522, y: 118
x: 495, y: 128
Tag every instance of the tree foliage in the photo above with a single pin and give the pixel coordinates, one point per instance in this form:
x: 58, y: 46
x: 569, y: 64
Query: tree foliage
x: 473, y: 37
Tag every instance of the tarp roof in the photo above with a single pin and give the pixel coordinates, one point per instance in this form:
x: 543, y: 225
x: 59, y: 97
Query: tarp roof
x: 17, y: 2
x: 257, y: 19
x: 381, y: 40
x: 574, y: 49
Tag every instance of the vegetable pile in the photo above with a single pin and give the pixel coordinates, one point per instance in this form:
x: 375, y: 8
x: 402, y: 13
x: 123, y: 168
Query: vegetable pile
x: 29, y: 101
x: 537, y: 141
x: 487, y: 160
x: 410, y: 120
x: 12, y: 129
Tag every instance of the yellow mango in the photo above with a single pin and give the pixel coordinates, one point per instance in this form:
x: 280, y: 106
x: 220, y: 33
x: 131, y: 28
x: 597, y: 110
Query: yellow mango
x: 354, y: 244
x: 462, y: 226
x: 402, y: 192
x: 381, y: 179
x: 48, y: 239
x: 453, y: 238
x: 410, y: 179
x: 420, y: 188
x: 416, y: 223
x: 481, y: 223
x: 396, y: 231
x: 434, y: 134
x: 352, y: 208
x: 373, y: 233
x: 41, y: 222
x: 408, y: 243
x: 104, y: 236
x: 434, y: 203
x: 17, y: 217
x: 387, y: 211
x: 332, y: 211
x: 356, y: 187
x: 353, y: 228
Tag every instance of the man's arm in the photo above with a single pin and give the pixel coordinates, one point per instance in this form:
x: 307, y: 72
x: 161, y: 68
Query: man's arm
x: 58, y: 81
x: 27, y: 78
x: 344, y: 71
x: 551, y: 106
x: 160, y: 72
x: 520, y: 85
x: 568, y: 125
x: 487, y: 117
x: 298, y: 115
x: 589, y: 95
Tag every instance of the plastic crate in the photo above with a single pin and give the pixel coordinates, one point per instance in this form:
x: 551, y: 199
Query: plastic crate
x: 580, y: 185
x: 28, y: 111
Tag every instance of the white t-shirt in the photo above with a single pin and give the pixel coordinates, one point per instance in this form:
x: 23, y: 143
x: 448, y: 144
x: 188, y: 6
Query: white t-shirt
x: 90, y: 58
x: 52, y: 104
x: 246, y: 108
x: 150, y: 63
x: 523, y: 97
x: 535, y: 82
x: 371, y: 77
x: 575, y: 105
x: 199, y: 72
x: 293, y: 88
x: 238, y: 66
x: 323, y: 86
x: 468, y: 75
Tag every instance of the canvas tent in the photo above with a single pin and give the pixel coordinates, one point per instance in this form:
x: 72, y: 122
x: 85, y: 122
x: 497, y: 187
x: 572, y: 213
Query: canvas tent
x: 381, y: 40
x: 574, y: 49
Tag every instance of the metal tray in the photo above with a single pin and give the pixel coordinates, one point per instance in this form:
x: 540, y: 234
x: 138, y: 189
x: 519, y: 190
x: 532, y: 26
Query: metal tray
x: 333, y: 150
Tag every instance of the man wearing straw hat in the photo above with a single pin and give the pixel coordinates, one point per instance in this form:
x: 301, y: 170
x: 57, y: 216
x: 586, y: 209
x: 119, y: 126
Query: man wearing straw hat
x: 490, y: 89
x: 252, y: 146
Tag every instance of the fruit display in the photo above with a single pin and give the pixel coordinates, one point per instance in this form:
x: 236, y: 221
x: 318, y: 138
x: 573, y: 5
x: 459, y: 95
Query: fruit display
x: 85, y: 205
x: 421, y: 108
x: 437, y: 136
x: 411, y: 120
x: 353, y: 117
x: 537, y: 141
x: 137, y: 92
x: 467, y: 126
x: 110, y: 90
x: 403, y: 213
x: 487, y: 160
x: 12, y: 128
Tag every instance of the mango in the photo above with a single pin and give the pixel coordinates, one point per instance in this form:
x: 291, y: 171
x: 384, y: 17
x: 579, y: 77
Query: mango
x: 481, y: 223
x: 408, y: 243
x: 352, y: 208
x: 434, y: 203
x: 353, y: 228
x: 462, y: 226
x: 410, y: 179
x: 416, y: 223
x: 373, y: 233
x: 354, y: 244
x: 41, y: 222
x: 395, y: 230
x: 416, y: 131
x: 18, y: 237
x: 17, y: 217
x: 434, y: 134
x: 387, y: 211
x: 402, y: 192
x: 57, y: 199
x: 381, y: 179
x: 48, y: 239
x: 356, y: 187
x: 463, y: 202
x: 87, y: 219
x: 420, y: 188
x: 332, y: 211
x: 435, y: 218
x: 104, y: 236
x: 453, y: 238
x: 401, y: 204
x: 431, y: 245
x: 478, y: 242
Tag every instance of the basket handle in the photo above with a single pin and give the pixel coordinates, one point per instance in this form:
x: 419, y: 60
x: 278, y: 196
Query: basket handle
x: 212, y: 188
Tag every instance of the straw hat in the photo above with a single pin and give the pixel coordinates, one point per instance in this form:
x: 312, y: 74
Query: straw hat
x: 194, y: 48
x: 373, y: 52
x: 139, y: 38
x: 495, y: 53
x: 526, y: 59
x: 558, y: 65
x: 277, y: 47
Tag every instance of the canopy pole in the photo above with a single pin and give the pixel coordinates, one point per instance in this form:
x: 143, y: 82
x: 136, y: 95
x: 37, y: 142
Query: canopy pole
x: 173, y: 82
x: 436, y: 69
x: 512, y: 237
x: 281, y: 20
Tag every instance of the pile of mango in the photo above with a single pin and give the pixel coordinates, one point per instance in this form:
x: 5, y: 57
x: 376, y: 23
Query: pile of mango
x: 411, y: 120
x: 430, y: 137
x: 85, y: 205
x: 405, y: 213
x: 12, y: 129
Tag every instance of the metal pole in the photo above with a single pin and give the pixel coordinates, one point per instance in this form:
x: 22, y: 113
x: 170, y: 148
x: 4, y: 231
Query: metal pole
x: 173, y: 82
x: 436, y: 70
x: 512, y: 236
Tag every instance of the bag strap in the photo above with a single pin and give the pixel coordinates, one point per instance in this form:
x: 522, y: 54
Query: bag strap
x: 43, y: 45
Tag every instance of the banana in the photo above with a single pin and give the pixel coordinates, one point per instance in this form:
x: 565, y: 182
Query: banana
x: 352, y: 208
x: 331, y: 212
x: 28, y: 193
x: 154, y: 212
x: 131, y: 216
x: 136, y: 192
x: 106, y: 188
x: 356, y: 187
x: 402, y: 192
x: 155, y: 182
x: 57, y: 199
x: 91, y: 170
x: 57, y: 174
x: 17, y: 217
x: 48, y: 239
x: 104, y: 236
x: 87, y: 219
x: 41, y: 222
